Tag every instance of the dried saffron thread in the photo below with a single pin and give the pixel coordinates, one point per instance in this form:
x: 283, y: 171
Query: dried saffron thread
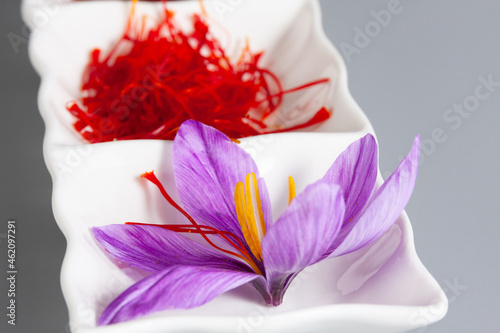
x: 154, y: 79
x: 203, y: 230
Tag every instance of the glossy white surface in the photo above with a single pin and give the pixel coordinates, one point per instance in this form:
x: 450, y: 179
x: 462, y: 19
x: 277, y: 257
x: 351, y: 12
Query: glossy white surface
x: 382, y: 288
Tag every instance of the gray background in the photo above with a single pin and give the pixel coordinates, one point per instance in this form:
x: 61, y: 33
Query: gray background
x: 427, y: 59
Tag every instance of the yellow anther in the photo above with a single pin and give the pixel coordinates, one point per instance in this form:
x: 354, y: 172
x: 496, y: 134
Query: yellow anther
x: 291, y: 189
x: 255, y: 204
x: 241, y: 207
x: 250, y: 215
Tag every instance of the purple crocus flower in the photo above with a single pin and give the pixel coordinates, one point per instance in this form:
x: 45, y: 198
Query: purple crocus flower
x: 227, y: 203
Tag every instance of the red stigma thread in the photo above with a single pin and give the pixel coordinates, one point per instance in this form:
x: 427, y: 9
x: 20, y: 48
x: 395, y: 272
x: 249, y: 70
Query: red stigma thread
x: 202, y: 230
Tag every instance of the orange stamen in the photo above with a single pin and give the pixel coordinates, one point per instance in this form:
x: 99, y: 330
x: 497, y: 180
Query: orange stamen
x: 240, y: 204
x: 249, y: 212
x: 291, y: 189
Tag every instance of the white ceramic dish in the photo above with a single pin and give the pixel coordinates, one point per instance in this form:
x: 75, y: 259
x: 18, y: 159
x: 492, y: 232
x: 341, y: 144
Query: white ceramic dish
x: 38, y: 13
x: 297, y: 53
x: 382, y: 288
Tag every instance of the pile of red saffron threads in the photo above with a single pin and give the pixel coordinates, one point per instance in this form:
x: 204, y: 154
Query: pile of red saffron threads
x: 154, y: 79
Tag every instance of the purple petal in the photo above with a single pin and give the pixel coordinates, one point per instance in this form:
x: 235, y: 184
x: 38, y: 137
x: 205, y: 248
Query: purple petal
x: 384, y: 208
x: 154, y: 249
x: 208, y: 165
x: 304, y: 232
x: 177, y: 287
x: 355, y: 170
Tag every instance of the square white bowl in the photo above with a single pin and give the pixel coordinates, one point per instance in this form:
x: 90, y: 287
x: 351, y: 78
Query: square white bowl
x: 289, y: 31
x: 380, y: 288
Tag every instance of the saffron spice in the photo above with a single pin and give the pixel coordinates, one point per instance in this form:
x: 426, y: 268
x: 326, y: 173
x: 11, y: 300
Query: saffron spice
x: 154, y: 79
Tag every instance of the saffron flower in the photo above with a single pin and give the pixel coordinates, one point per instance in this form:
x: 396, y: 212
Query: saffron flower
x: 227, y: 203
